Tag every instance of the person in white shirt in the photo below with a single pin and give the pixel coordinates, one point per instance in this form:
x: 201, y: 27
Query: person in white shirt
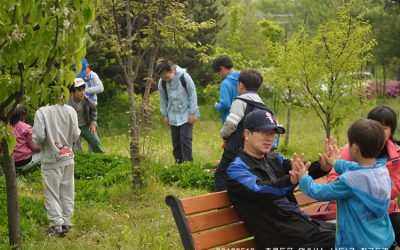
x: 55, y: 130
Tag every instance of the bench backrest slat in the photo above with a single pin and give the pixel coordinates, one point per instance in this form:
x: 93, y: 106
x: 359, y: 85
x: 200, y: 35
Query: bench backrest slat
x: 221, y: 236
x: 213, y: 219
x: 205, y: 202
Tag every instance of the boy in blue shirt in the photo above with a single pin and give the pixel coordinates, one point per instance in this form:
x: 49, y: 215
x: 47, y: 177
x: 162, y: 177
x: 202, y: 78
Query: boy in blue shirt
x: 362, y: 190
x: 228, y: 88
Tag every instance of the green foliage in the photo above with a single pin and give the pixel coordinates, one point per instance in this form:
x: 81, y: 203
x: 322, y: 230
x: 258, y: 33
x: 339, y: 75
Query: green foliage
x: 32, y: 212
x: 7, y: 134
x: 164, y: 28
x: 95, y: 173
x: 40, y: 40
x: 96, y: 166
x: 320, y: 68
x: 187, y: 175
x: 208, y: 95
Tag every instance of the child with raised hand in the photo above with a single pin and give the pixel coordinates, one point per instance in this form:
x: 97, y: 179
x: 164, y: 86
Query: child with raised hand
x: 362, y: 191
x: 389, y: 153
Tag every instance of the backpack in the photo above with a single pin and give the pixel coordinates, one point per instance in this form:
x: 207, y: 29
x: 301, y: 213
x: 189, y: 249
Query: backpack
x: 235, y: 141
x: 182, y: 80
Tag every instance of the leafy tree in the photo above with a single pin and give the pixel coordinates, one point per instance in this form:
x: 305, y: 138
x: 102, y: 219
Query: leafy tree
x: 133, y: 31
x: 321, y: 68
x: 199, y: 11
x: 384, y: 17
x: 39, y: 41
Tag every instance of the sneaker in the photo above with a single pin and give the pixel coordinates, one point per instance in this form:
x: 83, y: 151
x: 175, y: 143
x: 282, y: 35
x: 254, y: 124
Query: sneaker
x: 66, y: 228
x: 52, y: 231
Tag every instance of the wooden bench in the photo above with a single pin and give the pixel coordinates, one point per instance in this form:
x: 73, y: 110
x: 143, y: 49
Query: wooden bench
x: 210, y: 220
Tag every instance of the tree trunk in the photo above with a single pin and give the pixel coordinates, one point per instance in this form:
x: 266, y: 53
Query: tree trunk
x: 137, y: 181
x: 328, y: 126
x: 12, y: 199
x: 1, y: 169
x: 289, y: 109
x: 384, y: 80
x: 145, y: 106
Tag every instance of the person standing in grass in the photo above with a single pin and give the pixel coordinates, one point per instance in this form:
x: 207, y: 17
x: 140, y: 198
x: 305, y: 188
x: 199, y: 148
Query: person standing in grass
x: 390, y: 154
x: 178, y: 105
x: 55, y: 130
x: 94, y: 86
x: 362, y: 190
x: 232, y: 131
x: 228, y: 89
x: 87, y: 116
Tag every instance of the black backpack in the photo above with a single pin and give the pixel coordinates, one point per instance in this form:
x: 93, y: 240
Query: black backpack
x: 182, y: 80
x: 235, y: 141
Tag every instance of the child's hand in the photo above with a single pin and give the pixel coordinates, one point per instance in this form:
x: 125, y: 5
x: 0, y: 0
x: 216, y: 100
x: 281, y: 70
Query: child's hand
x: 299, y: 169
x: 93, y: 128
x: 328, y: 144
x: 328, y: 161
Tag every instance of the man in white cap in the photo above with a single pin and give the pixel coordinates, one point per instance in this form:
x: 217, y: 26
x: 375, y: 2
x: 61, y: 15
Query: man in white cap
x: 87, y: 115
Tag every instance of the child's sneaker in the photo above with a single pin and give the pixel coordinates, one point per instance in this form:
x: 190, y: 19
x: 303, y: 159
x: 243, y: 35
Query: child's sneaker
x: 66, y: 228
x: 55, y: 231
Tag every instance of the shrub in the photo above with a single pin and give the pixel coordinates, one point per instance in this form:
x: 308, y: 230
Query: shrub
x: 188, y: 175
x: 375, y: 89
x: 208, y: 95
x: 96, y: 166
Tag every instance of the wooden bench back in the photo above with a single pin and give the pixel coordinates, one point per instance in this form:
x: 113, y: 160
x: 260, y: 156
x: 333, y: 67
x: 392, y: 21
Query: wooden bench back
x: 210, y: 220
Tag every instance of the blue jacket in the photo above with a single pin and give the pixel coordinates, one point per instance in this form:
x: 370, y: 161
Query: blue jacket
x: 363, y: 196
x: 180, y: 102
x: 227, y: 92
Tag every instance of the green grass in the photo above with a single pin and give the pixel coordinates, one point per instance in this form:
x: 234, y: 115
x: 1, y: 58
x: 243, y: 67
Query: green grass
x: 108, y: 215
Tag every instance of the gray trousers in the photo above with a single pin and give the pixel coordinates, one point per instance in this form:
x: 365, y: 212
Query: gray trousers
x: 59, y: 190
x: 182, y: 142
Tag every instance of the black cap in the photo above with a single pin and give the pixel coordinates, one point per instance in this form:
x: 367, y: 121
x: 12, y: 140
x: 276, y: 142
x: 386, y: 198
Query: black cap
x: 262, y: 120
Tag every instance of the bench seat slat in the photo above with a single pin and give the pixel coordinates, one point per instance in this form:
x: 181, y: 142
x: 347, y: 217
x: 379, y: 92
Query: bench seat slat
x: 213, y: 219
x: 221, y: 236
x: 303, y: 199
x: 205, y: 202
x: 313, y: 208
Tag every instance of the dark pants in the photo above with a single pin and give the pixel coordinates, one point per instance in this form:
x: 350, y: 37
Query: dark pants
x: 395, y: 219
x: 220, y: 175
x: 325, y: 239
x: 182, y: 142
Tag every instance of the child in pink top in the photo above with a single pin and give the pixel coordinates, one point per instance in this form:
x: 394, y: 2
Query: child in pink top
x: 24, y: 152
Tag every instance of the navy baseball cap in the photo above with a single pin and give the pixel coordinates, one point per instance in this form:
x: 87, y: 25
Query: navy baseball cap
x: 262, y: 120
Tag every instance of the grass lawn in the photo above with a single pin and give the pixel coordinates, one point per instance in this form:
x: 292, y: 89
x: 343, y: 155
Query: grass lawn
x: 114, y: 217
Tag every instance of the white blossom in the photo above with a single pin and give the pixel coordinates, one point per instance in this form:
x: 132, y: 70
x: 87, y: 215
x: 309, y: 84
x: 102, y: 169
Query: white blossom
x: 66, y: 11
x: 17, y: 35
x: 66, y: 23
